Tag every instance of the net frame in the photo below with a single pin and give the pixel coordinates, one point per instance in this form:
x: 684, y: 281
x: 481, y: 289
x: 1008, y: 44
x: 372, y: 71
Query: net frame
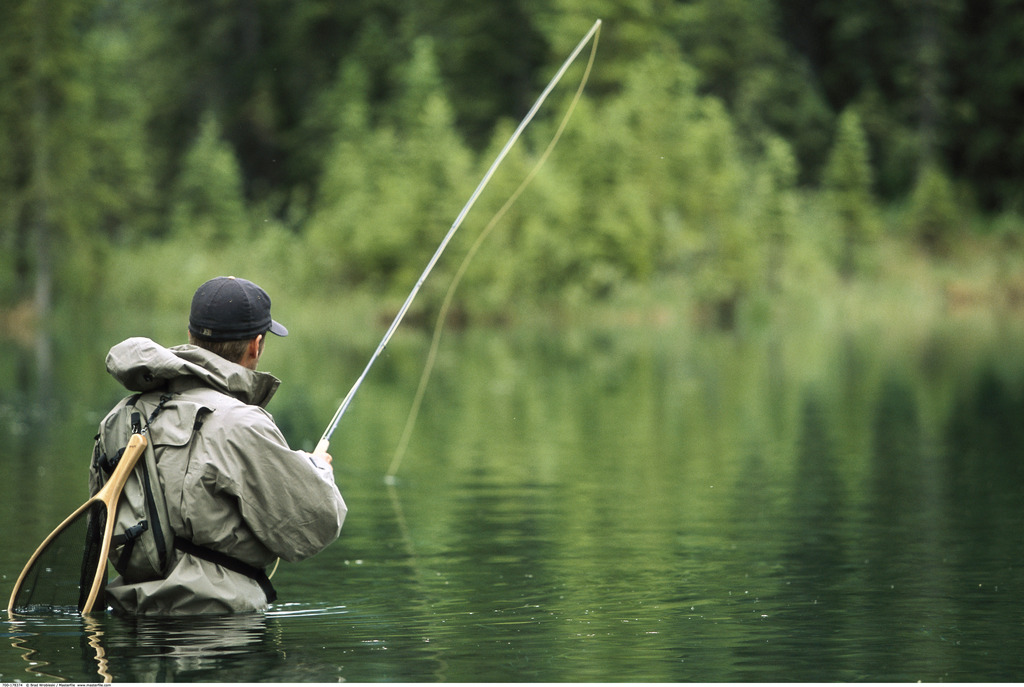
x: 99, y: 511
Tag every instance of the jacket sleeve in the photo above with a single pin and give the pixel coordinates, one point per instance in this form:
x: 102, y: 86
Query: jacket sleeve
x: 287, y: 498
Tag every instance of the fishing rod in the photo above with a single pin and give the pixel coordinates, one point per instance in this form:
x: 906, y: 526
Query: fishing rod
x: 325, y: 440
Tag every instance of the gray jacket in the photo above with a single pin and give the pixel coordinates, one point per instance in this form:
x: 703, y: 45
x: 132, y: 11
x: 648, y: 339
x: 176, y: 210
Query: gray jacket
x: 234, y: 486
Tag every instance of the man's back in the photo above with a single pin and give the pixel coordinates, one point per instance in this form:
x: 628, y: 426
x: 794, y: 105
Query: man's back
x: 232, y: 485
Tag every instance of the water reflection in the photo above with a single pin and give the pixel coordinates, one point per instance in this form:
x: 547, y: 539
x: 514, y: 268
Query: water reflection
x: 94, y: 636
x: 241, y: 648
x: 612, y: 508
x: 36, y: 665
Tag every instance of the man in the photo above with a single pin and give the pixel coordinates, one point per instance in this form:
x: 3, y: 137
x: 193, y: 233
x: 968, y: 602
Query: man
x: 237, y: 497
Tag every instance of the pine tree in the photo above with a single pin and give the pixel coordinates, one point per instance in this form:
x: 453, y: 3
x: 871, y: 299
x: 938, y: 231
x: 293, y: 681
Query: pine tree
x: 848, y: 182
x: 933, y: 216
x: 207, y: 204
x: 73, y: 169
x: 776, y: 208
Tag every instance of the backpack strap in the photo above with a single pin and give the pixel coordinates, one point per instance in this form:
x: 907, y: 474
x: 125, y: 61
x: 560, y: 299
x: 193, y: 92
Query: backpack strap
x: 128, y: 539
x: 258, y: 575
x: 106, y: 464
x: 151, y: 499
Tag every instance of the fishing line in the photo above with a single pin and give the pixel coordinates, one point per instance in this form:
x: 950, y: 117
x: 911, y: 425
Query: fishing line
x: 324, y: 442
x: 410, y: 422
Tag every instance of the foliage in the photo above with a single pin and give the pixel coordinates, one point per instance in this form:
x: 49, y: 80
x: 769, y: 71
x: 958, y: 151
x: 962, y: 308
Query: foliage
x: 346, y: 136
x: 741, y: 58
x: 848, y: 181
x: 390, y: 189
x: 776, y: 208
x: 206, y: 203
x: 933, y: 218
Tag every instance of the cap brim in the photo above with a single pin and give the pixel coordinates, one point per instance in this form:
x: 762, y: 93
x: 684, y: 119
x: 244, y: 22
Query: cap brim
x: 278, y: 328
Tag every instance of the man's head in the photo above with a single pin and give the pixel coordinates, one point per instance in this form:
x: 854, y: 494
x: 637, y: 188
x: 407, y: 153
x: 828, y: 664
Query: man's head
x: 231, y: 317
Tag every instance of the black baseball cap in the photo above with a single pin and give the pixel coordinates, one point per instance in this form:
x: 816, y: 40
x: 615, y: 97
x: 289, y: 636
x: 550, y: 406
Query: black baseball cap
x: 231, y: 309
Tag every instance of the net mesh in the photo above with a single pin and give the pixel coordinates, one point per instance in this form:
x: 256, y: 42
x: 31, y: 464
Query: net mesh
x: 60, y: 578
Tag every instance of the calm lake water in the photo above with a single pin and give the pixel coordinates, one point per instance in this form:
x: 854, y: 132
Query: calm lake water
x: 593, y: 505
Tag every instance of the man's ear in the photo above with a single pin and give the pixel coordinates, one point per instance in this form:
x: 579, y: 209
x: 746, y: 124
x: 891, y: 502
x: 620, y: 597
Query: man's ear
x: 252, y: 352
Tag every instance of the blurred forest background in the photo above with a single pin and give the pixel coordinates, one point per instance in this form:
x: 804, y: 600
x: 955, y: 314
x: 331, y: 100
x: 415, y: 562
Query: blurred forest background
x: 729, y: 156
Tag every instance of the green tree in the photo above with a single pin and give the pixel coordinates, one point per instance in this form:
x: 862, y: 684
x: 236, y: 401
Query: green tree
x: 361, y: 87
x: 392, y: 190
x: 848, y: 183
x: 617, y: 186
x: 489, y: 55
x: 741, y: 57
x: 38, y: 49
x: 631, y: 31
x: 984, y: 142
x: 933, y: 216
x: 207, y: 203
x: 857, y: 54
x: 74, y: 170
x: 728, y: 272
x: 776, y: 208
x: 929, y: 78
x: 345, y: 194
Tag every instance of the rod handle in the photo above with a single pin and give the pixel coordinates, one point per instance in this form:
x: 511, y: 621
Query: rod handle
x: 322, y: 446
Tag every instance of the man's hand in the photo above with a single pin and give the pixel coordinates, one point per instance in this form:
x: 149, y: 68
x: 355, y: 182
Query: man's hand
x: 325, y: 457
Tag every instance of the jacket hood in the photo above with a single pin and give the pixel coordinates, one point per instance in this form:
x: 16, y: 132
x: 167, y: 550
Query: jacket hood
x: 141, y: 364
